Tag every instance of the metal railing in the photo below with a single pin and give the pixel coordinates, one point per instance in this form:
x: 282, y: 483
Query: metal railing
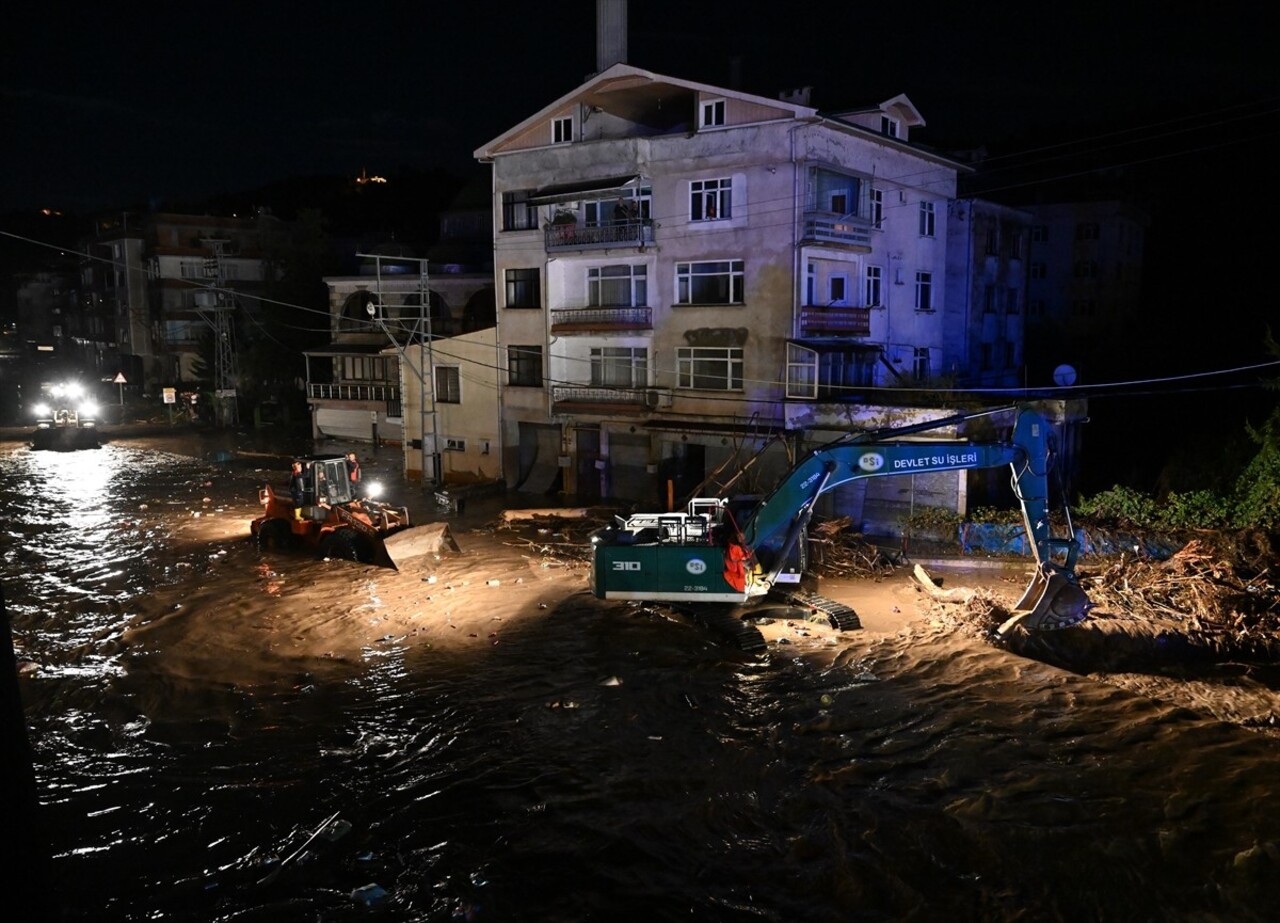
x: 841, y: 321
x: 830, y: 230
x: 598, y: 236
x: 354, y: 392
x: 598, y: 317
x: 586, y: 394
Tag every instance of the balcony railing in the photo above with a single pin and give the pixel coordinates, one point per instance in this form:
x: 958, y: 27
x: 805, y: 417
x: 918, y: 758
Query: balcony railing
x: 360, y: 392
x: 611, y: 234
x: 570, y: 398
x: 826, y: 229
x: 588, y: 320
x: 835, y: 321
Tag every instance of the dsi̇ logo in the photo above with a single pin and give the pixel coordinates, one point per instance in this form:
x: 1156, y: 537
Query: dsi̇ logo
x: 871, y: 461
x: 696, y: 566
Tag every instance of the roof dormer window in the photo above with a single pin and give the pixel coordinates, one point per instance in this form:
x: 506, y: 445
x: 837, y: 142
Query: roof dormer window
x: 562, y: 130
x: 711, y: 113
x: 888, y: 126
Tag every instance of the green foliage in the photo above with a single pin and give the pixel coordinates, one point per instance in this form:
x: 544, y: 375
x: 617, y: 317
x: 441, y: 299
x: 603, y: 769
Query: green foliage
x: 1195, y: 509
x: 933, y: 519
x: 994, y: 515
x: 1120, y: 505
x: 1257, y: 491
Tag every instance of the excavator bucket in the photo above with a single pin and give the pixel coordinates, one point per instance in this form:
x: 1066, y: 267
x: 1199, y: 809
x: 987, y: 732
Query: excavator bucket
x: 1052, y: 600
x: 430, y: 538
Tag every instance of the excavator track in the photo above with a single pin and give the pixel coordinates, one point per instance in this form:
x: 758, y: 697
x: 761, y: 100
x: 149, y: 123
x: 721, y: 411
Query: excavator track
x: 837, y: 615
x: 726, y: 621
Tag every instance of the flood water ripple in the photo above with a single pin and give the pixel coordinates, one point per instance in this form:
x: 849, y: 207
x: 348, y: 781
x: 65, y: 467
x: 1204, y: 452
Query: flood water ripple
x: 197, y: 711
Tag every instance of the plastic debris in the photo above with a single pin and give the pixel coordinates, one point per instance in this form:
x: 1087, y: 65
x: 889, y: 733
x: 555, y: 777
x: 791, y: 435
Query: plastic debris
x: 369, y: 894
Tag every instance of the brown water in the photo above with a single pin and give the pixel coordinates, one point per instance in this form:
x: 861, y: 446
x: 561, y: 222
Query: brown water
x: 198, y: 710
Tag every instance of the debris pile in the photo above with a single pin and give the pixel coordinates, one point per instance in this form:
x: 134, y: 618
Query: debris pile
x: 556, y: 537
x: 836, y: 551
x: 1219, y: 589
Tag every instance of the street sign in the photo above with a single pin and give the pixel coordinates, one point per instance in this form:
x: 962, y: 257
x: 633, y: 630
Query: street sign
x: 171, y: 395
x: 119, y: 379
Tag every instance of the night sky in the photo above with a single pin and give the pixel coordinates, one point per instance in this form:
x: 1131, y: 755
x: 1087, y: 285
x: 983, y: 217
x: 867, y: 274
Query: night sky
x: 166, y: 101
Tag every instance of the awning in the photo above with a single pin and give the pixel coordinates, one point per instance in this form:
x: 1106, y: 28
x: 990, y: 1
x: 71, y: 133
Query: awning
x: 347, y: 349
x: 836, y: 344
x: 589, y: 189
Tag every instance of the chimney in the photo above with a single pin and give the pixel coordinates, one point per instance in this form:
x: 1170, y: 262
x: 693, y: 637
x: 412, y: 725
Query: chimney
x: 611, y: 33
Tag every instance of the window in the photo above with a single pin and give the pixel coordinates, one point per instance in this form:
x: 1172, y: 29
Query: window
x: 448, y: 384
x: 924, y: 291
x: 711, y: 113
x: 874, y: 279
x: 517, y: 213
x: 1015, y: 247
x: 802, y: 371
x: 989, y: 300
x: 619, y: 367
x: 877, y: 208
x: 1086, y: 269
x: 1039, y: 270
x: 709, y: 368
x: 888, y: 127
x: 1087, y: 230
x: 710, y: 199
x: 927, y: 219
x: 710, y: 283
x: 986, y: 357
x: 1039, y: 234
x: 603, y: 212
x: 524, y: 366
x: 524, y: 288
x: 811, y: 284
x: 993, y: 242
x: 1012, y: 297
x: 617, y: 286
x: 452, y: 444
x: 562, y: 130
x: 920, y: 366
x: 1037, y: 308
x: 838, y: 289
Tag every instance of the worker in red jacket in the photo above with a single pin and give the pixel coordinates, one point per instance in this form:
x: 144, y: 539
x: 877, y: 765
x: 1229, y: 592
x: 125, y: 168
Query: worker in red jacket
x: 737, y: 561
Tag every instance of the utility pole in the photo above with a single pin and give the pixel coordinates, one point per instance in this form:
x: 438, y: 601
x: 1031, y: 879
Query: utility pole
x: 424, y: 369
x: 218, y: 315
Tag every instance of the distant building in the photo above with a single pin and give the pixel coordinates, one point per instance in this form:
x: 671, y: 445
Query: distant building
x: 1084, y: 279
x: 412, y: 356
x: 162, y: 280
x: 984, y: 308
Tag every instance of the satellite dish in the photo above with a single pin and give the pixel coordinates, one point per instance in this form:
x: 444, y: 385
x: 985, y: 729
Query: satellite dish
x: 1064, y: 376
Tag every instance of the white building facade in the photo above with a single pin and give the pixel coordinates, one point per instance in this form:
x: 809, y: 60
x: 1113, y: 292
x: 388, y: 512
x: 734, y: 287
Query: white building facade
x: 685, y: 274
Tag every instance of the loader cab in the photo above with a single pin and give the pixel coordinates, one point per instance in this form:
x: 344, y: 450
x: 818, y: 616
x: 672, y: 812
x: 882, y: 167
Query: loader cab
x: 325, y: 480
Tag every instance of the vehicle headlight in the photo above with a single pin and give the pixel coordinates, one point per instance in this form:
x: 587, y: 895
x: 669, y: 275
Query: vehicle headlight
x: 88, y: 409
x: 41, y: 410
x: 374, y: 489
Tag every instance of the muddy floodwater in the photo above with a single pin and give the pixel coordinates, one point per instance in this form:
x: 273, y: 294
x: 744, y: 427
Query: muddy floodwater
x: 220, y: 734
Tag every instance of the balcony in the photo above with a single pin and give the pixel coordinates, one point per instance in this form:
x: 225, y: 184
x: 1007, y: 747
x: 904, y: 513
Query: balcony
x: 601, y: 320
x: 586, y: 399
x: 611, y: 235
x: 826, y: 228
x: 354, y: 392
x: 835, y: 321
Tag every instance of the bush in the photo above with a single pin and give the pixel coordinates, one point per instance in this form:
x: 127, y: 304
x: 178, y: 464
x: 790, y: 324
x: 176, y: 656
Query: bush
x: 1120, y: 505
x: 1195, y: 509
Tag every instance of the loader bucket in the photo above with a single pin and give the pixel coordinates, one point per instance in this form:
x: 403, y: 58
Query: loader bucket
x: 1052, y: 600
x: 431, y: 538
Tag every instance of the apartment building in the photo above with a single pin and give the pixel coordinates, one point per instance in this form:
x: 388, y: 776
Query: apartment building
x: 686, y: 274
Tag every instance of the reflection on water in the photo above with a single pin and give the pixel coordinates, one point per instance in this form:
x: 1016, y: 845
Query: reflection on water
x: 598, y: 763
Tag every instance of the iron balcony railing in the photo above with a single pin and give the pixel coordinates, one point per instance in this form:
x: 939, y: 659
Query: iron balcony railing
x: 354, y: 392
x: 598, y: 236
x: 835, y: 321
x: 827, y: 229
x: 566, y: 320
x: 648, y: 398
